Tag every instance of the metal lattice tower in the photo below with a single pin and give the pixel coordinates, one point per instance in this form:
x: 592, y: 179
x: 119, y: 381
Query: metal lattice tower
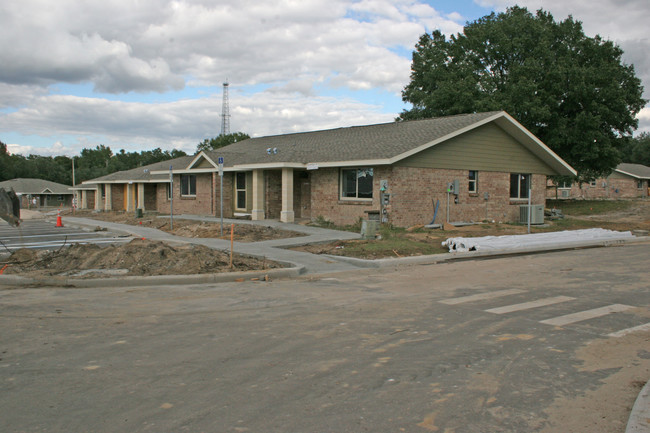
x: 225, y: 111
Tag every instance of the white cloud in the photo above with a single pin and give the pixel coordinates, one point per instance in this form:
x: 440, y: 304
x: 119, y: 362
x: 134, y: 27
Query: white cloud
x: 181, y: 124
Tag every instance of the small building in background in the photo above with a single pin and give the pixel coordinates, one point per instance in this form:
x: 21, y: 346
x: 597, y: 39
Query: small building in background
x: 627, y: 181
x: 39, y: 193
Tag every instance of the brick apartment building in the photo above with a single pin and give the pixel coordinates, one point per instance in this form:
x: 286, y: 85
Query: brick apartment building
x: 627, y: 181
x: 344, y: 174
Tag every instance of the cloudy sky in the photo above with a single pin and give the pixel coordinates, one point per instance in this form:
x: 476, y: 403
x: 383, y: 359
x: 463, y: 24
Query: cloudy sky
x: 138, y: 75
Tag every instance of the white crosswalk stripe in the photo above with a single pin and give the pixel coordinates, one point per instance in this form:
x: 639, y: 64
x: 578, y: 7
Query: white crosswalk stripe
x: 481, y: 296
x: 529, y: 305
x: 586, y: 315
x: 624, y: 332
x: 563, y: 320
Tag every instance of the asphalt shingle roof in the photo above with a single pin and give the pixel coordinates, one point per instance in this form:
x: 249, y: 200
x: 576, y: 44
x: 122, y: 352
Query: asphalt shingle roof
x: 35, y: 186
x: 139, y: 173
x: 355, y: 143
x: 637, y: 170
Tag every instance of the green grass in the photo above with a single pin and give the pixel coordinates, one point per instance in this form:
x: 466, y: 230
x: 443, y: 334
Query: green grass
x: 588, y: 207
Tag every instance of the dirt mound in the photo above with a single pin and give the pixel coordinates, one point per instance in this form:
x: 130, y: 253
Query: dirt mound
x: 138, y: 257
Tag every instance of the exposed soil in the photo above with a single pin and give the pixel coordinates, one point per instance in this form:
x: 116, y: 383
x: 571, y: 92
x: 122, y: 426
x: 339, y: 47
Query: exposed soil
x: 137, y: 258
x: 419, y: 241
x: 194, y: 229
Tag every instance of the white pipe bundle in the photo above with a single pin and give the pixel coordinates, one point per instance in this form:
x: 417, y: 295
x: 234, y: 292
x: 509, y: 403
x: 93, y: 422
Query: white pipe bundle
x: 509, y: 242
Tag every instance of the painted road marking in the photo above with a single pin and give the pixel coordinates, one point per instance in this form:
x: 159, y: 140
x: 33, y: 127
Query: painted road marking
x: 481, y: 296
x: 586, y: 315
x: 624, y: 332
x: 530, y: 305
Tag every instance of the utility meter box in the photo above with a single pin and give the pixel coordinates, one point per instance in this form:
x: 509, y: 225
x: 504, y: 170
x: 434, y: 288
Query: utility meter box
x: 453, y: 187
x: 385, y: 199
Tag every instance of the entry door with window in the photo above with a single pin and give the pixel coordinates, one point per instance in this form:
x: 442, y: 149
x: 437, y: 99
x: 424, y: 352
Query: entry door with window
x: 240, y: 191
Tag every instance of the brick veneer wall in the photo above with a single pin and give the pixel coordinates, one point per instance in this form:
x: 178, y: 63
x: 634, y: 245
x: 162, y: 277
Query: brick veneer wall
x: 228, y: 186
x: 272, y: 194
x: 610, y: 188
x: 117, y: 196
x: 414, y: 191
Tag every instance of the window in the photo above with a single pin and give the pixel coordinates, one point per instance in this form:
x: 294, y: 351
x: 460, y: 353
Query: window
x: 169, y: 191
x: 103, y: 190
x: 639, y: 184
x: 240, y: 190
x: 188, y: 184
x: 519, y: 185
x: 356, y: 183
x: 473, y: 182
x: 564, y: 184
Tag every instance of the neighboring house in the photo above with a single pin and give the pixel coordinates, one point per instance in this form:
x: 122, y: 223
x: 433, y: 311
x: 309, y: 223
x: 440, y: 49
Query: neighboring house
x: 133, y: 189
x: 341, y: 174
x: 36, y: 193
x: 625, y: 182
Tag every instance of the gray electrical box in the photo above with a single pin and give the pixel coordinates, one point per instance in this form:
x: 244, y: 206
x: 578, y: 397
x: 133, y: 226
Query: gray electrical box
x: 453, y: 187
x: 385, y: 199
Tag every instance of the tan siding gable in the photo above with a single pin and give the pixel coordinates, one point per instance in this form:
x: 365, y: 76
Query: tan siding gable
x: 486, y: 148
x: 617, y: 175
x: 203, y: 163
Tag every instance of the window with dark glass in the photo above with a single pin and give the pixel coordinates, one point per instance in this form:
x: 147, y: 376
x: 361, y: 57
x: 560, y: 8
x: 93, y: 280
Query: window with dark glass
x: 356, y: 183
x: 473, y: 181
x: 240, y: 190
x: 519, y: 185
x: 188, y: 184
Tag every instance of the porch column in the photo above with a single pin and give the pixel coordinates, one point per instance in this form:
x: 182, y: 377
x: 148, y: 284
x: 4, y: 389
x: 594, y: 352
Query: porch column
x: 257, y: 213
x: 129, y: 197
x: 140, y: 204
x: 98, y: 197
x: 108, y: 188
x: 286, y: 216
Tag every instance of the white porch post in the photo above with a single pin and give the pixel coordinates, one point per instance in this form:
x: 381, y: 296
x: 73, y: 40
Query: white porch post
x: 129, y: 197
x: 108, y: 205
x: 84, y: 199
x: 257, y: 213
x: 287, y: 216
x: 140, y: 204
x: 98, y: 197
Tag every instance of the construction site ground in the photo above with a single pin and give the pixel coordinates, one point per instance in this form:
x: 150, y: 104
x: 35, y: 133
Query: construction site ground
x: 143, y: 257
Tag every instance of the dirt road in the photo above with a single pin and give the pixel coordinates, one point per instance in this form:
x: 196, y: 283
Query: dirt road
x: 394, y: 350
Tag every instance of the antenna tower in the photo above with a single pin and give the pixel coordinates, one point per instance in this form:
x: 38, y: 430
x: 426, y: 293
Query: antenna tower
x: 225, y: 111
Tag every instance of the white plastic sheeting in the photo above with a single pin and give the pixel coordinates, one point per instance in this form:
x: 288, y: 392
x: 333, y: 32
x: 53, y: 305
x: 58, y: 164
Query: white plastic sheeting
x: 510, y: 242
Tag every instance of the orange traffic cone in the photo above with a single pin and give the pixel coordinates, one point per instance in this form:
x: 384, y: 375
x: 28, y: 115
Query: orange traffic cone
x: 59, y: 223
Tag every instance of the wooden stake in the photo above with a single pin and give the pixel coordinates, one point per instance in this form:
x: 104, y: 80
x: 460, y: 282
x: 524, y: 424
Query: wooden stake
x: 232, y: 231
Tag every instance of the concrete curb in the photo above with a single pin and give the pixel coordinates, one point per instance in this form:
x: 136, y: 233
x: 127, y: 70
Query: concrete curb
x: 639, y: 421
x: 156, y: 280
x: 471, y: 255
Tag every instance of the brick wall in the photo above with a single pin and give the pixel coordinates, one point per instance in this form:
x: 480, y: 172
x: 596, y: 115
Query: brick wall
x: 612, y: 188
x: 117, y: 196
x: 414, y: 191
x: 273, y: 194
x: 227, y: 195
x: 201, y: 203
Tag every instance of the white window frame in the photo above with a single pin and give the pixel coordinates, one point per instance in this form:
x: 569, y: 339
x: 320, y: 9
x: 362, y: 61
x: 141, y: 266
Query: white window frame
x: 356, y: 197
x: 186, y: 187
x: 238, y: 190
x: 472, y: 186
x: 521, y: 177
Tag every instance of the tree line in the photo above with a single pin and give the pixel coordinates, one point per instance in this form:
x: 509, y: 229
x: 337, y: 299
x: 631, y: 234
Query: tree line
x: 94, y: 163
x: 90, y: 164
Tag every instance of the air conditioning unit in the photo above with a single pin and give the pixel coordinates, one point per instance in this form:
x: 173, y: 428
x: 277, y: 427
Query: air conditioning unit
x: 536, y: 216
x: 565, y: 193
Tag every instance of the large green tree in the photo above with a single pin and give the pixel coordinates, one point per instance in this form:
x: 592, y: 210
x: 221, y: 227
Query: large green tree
x: 221, y: 141
x: 637, y: 150
x: 572, y: 91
